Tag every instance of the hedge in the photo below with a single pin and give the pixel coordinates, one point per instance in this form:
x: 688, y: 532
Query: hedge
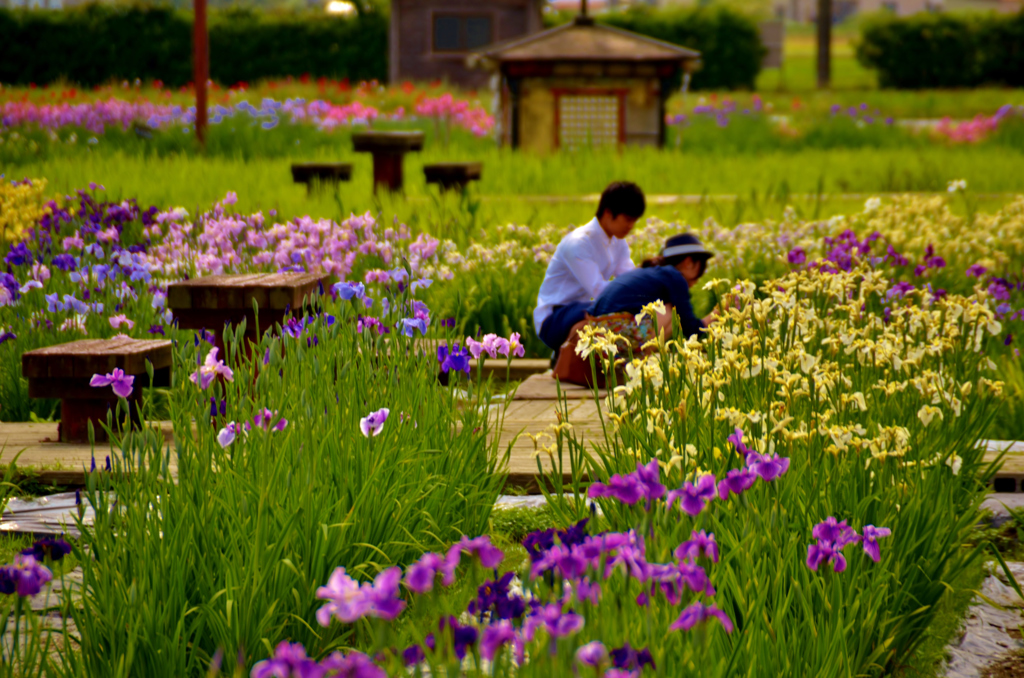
x: 729, y: 42
x: 93, y: 44
x: 944, y: 50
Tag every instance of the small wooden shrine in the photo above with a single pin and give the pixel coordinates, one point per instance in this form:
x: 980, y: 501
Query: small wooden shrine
x: 584, y: 83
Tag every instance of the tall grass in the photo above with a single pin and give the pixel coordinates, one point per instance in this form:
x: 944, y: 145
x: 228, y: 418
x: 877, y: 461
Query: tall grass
x: 227, y: 551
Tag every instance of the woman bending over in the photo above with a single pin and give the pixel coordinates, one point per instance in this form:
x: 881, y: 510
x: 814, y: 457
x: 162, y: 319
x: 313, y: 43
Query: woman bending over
x: 667, y: 277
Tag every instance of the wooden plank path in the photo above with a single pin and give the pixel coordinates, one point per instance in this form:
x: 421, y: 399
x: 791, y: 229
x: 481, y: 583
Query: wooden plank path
x: 533, y: 411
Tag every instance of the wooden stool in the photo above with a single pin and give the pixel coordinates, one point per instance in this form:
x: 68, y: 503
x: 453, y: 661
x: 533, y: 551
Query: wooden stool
x: 315, y: 174
x: 453, y: 175
x: 63, y: 371
x: 388, y: 149
x: 210, y: 302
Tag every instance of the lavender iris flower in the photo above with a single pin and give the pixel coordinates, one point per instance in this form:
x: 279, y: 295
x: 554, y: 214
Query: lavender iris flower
x: 373, y: 423
x: 118, y: 380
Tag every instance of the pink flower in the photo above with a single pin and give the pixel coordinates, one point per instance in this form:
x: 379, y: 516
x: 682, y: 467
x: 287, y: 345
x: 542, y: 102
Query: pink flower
x: 210, y: 368
x: 514, y: 347
x: 116, y: 321
x: 121, y: 382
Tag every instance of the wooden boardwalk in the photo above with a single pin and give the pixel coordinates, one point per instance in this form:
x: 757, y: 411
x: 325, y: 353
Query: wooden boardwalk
x: 532, y: 412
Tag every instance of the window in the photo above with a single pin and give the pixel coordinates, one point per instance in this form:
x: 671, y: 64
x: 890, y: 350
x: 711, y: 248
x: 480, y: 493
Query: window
x: 588, y: 120
x: 461, y: 33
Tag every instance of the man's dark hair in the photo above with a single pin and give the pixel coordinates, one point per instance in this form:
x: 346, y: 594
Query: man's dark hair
x: 622, y: 197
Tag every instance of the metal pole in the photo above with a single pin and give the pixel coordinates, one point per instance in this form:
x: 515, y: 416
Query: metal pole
x: 200, y: 67
x: 824, y: 44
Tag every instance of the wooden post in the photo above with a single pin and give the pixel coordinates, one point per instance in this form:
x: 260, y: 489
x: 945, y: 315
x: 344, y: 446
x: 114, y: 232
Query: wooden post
x: 824, y: 44
x: 200, y: 67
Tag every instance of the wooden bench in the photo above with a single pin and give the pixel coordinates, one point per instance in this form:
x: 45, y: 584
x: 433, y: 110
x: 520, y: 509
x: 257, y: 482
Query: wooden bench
x: 452, y: 175
x: 316, y: 174
x: 388, y: 149
x: 63, y: 371
x: 210, y: 302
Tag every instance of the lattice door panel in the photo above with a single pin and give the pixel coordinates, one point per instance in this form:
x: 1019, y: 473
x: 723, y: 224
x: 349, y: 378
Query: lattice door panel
x: 588, y: 120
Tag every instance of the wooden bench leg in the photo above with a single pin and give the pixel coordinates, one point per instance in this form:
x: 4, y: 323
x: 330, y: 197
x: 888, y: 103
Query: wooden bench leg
x: 76, y: 413
x: 387, y: 170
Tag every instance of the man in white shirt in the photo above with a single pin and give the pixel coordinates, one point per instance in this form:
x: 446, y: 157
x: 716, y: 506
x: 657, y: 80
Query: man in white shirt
x: 585, y: 261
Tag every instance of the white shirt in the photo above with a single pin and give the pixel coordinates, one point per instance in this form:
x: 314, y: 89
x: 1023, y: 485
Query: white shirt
x: 580, y: 269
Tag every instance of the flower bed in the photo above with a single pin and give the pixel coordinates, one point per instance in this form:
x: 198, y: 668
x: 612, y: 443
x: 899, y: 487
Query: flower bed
x: 790, y: 497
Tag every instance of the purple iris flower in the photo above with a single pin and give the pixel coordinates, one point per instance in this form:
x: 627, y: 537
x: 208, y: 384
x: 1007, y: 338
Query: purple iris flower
x: 25, y: 576
x: 624, y: 488
x: 373, y: 423
x: 353, y: 665
x: 54, y: 548
x: 5, y: 336
x: 648, y: 477
x: 768, y: 467
x: 536, y: 543
x: 698, y: 543
x: 410, y: 325
x: 797, y: 256
x: 557, y: 623
x: 348, y: 600
x: 737, y: 441
x: 699, y: 613
x: 976, y: 271
x: 419, y: 576
x: 496, y: 636
x: 289, y: 659
x: 65, y: 262
x: 737, y: 481
x: 157, y: 329
x: 414, y: 654
x: 494, y: 597
x: 349, y: 290
x: 832, y: 530
x: 631, y: 659
x: 593, y: 653
x: 456, y: 359
x: 463, y: 637
x: 870, y: 536
x: 825, y: 552
x: 694, y: 496
x: 118, y: 380
x: 490, y: 555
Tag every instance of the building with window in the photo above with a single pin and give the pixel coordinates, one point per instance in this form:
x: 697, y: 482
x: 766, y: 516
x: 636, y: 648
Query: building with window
x: 583, y: 83
x: 431, y: 38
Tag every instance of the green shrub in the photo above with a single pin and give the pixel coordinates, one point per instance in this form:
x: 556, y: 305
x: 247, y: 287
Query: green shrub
x: 95, y: 43
x: 944, y: 50
x: 729, y: 42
